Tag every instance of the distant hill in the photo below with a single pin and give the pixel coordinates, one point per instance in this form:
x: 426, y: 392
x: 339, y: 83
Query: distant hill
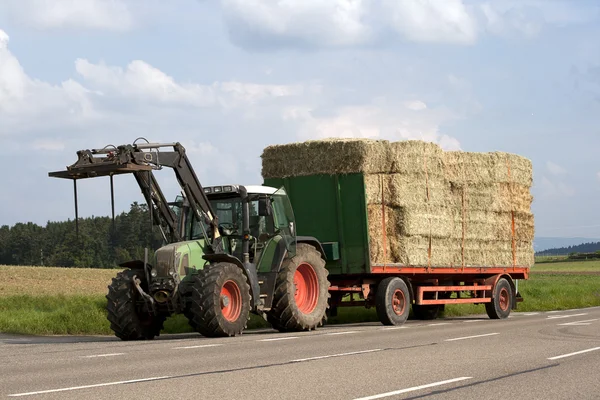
x: 553, y: 243
x: 560, y: 251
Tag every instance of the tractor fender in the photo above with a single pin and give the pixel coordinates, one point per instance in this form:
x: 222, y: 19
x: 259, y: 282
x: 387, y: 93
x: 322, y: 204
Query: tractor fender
x: 313, y: 242
x: 249, y: 270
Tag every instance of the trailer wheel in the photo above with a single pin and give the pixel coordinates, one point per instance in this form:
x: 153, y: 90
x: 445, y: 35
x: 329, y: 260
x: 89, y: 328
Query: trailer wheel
x: 300, y: 299
x: 220, y: 303
x: 502, y: 300
x: 128, y: 317
x: 392, y: 301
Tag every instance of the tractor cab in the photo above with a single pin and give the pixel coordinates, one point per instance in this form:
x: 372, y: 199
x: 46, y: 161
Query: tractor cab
x: 269, y: 216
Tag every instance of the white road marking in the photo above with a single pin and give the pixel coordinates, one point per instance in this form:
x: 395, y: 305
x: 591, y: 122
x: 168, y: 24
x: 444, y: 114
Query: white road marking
x: 279, y: 338
x: 574, y: 354
x: 104, y: 355
x: 471, y: 337
x: 555, y: 311
x: 197, y: 347
x: 440, y: 323
x: 15, y: 340
x: 342, y: 333
x: 336, y: 355
x: 566, y: 316
x: 393, y: 328
x: 583, y: 323
x: 88, y: 386
x: 529, y: 314
x: 473, y: 320
x: 412, y: 389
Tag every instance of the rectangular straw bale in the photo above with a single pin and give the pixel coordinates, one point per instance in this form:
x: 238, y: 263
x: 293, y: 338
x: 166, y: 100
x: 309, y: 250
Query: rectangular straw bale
x: 401, y: 190
x: 328, y: 156
x: 415, y: 157
x: 521, y: 169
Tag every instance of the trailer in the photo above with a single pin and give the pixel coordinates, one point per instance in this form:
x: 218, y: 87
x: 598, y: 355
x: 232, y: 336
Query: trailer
x: 340, y: 223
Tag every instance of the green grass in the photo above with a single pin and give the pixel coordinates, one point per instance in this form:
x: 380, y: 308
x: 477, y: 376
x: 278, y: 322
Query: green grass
x: 549, y: 259
x: 568, y: 266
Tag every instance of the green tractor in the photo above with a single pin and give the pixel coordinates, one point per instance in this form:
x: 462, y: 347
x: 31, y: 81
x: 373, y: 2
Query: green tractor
x: 228, y: 251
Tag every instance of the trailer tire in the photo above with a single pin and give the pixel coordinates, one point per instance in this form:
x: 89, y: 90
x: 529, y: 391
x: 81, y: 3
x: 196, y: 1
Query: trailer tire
x: 300, y: 299
x: 220, y: 303
x: 392, y: 301
x: 502, y: 300
x: 127, y: 319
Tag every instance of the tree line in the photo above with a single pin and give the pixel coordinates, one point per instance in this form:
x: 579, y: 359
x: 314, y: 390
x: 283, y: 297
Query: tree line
x: 98, y: 245
x: 564, y: 251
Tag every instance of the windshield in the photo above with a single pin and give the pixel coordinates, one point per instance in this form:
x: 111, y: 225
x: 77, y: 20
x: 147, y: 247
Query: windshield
x: 285, y: 223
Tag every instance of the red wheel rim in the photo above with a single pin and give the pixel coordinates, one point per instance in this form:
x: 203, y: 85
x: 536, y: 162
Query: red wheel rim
x: 231, y: 301
x: 307, y: 288
x: 503, y: 299
x: 398, y: 302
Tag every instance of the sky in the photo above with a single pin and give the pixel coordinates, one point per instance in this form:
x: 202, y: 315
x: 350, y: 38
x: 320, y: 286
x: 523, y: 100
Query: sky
x: 227, y: 78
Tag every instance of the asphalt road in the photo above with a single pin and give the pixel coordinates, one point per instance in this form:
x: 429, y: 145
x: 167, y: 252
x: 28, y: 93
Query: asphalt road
x: 553, y: 355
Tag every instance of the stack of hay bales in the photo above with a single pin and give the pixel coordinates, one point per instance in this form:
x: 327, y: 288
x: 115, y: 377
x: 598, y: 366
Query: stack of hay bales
x: 425, y: 206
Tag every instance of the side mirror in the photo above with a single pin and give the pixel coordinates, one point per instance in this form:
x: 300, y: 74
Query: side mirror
x: 264, y: 207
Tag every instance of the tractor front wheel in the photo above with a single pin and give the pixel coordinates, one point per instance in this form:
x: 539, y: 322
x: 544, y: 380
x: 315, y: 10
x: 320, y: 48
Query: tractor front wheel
x: 129, y: 318
x: 301, y: 293
x: 220, y: 304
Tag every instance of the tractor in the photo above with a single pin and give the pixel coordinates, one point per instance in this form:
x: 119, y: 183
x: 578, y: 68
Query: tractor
x: 228, y: 251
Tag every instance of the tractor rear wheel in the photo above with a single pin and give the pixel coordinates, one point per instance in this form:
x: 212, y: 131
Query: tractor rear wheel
x: 129, y: 318
x: 220, y: 303
x: 300, y: 300
x: 392, y: 301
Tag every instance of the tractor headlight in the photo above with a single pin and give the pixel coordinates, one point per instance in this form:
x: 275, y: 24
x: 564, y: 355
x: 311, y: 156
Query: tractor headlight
x: 153, y: 273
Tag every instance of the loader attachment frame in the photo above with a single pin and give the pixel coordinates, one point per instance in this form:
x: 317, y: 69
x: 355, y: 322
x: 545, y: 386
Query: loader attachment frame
x: 141, y: 160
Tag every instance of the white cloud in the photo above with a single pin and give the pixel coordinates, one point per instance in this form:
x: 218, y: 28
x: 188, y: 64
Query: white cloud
x: 551, y: 189
x: 22, y: 99
x: 503, y: 19
x: 145, y: 83
x: 256, y: 23
x: 112, y: 15
x: 446, y: 21
x: 329, y: 23
x: 555, y: 169
x: 415, y: 105
x: 375, y: 122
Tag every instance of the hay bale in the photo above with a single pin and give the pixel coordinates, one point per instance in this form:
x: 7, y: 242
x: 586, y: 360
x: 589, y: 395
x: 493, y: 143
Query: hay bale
x: 329, y: 156
x: 438, y: 208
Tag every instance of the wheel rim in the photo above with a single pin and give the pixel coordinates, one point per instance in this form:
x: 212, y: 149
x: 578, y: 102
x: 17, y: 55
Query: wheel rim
x: 307, y: 288
x: 231, y: 301
x: 398, y: 302
x: 503, y: 299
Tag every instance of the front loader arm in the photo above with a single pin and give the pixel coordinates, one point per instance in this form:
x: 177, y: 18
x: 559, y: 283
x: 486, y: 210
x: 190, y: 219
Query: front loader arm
x: 141, y: 160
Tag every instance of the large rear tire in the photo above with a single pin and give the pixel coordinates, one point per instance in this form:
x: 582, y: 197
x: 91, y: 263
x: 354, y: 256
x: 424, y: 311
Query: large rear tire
x: 300, y: 300
x: 128, y: 318
x: 502, y: 300
x: 392, y: 301
x: 220, y: 303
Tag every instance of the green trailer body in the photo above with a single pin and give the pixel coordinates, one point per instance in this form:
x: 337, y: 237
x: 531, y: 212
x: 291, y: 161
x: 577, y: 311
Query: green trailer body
x: 340, y: 220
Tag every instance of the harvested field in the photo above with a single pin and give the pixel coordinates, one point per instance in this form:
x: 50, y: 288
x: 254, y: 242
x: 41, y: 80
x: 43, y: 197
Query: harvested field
x: 41, y: 281
x: 435, y: 207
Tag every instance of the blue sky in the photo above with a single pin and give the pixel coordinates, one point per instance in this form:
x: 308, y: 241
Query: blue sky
x: 227, y: 78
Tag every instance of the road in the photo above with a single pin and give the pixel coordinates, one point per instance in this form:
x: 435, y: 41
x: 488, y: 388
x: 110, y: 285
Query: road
x: 553, y: 355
